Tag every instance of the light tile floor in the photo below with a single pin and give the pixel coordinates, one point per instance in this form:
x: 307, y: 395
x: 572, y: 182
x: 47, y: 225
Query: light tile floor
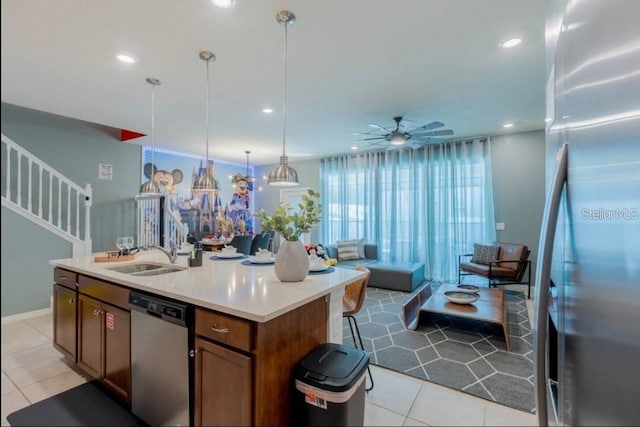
x: 33, y: 370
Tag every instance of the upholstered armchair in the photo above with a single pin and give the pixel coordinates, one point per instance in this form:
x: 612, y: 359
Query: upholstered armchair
x: 502, y: 263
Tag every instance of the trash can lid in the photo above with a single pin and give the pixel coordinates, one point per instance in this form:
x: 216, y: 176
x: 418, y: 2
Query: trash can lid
x: 333, y: 367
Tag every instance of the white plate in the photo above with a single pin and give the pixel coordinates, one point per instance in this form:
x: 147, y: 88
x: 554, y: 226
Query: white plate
x: 320, y: 267
x: 256, y: 260
x: 229, y: 256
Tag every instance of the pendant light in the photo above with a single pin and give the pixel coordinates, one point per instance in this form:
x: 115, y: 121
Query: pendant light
x: 207, y: 181
x: 283, y: 175
x: 151, y: 186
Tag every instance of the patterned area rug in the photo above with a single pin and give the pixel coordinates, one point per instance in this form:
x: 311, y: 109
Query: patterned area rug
x: 469, y: 356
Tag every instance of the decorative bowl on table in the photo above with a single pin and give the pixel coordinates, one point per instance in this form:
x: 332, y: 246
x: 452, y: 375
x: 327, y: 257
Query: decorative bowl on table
x: 470, y: 289
x: 458, y: 297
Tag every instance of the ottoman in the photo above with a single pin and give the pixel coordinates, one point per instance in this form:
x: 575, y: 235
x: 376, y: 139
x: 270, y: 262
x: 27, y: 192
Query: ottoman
x: 399, y: 276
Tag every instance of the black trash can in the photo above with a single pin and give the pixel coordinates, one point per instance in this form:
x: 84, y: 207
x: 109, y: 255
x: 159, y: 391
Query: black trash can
x: 329, y: 386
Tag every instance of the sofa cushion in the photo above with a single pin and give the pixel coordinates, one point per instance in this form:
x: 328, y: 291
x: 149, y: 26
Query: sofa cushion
x: 484, y: 254
x: 399, y: 276
x: 348, y: 250
x: 352, y: 263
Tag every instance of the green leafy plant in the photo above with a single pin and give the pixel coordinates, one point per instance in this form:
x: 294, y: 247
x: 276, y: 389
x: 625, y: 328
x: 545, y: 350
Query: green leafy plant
x: 290, y: 224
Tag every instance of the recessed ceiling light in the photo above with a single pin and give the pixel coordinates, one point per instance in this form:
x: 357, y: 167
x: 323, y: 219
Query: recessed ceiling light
x: 507, y: 125
x: 267, y: 110
x: 354, y: 147
x: 224, y: 4
x: 511, y: 43
x: 126, y: 58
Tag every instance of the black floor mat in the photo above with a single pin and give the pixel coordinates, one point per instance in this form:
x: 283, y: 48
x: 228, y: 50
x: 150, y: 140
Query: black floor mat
x: 85, y: 405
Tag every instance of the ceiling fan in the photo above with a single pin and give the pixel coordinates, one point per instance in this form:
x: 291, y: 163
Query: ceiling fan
x: 399, y: 136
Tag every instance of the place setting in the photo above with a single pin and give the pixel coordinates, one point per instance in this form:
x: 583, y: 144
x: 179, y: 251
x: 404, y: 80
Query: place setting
x: 263, y: 257
x: 227, y: 253
x: 317, y: 266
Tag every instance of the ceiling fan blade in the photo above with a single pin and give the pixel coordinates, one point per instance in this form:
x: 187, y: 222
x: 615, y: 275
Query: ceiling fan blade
x: 372, y: 139
x: 427, y: 140
x: 375, y: 126
x: 429, y: 126
x: 442, y: 132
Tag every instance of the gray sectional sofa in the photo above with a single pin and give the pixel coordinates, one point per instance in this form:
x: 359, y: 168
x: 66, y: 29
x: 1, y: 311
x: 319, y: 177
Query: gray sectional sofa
x: 399, y: 276
x: 370, y: 253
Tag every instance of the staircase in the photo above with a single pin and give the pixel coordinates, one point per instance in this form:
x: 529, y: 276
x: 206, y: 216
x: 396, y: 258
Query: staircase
x: 40, y: 193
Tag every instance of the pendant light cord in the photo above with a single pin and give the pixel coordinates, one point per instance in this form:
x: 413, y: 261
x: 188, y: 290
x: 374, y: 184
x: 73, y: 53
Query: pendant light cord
x: 207, y: 118
x: 284, y: 94
x: 153, y: 115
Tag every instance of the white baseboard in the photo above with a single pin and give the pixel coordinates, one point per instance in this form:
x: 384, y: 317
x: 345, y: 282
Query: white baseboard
x: 27, y: 315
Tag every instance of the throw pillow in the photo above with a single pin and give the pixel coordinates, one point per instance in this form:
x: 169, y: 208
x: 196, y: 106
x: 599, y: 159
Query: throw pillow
x: 347, y: 250
x: 361, y: 248
x: 484, y: 254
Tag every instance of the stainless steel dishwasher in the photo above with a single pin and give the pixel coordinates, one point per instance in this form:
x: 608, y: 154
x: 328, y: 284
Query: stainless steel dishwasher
x: 161, y: 360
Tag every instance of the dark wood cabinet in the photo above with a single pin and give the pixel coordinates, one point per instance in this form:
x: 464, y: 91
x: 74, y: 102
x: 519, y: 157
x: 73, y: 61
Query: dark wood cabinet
x: 223, y: 386
x: 104, y: 334
x: 65, y: 306
x: 90, y: 336
x: 117, y: 350
x: 244, y: 369
x: 65, y: 312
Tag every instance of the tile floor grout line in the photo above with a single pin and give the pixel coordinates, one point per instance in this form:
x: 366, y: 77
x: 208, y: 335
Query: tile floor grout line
x: 415, y: 399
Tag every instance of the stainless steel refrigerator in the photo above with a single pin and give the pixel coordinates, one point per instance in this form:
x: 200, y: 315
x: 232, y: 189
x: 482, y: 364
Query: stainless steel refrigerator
x: 587, y: 321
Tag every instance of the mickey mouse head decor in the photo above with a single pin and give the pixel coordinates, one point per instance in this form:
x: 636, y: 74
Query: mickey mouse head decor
x: 165, y: 179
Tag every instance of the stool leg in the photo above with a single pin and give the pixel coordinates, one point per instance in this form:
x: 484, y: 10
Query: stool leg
x: 355, y: 322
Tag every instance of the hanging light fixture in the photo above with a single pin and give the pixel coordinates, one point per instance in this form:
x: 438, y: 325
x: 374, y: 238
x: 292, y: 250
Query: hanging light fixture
x: 283, y: 175
x: 207, y: 181
x: 151, y: 186
x: 235, y: 179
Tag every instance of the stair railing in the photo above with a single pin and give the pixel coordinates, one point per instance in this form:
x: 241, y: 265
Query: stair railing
x: 45, y: 196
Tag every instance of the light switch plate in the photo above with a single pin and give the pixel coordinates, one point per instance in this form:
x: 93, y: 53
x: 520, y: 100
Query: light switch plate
x: 500, y: 226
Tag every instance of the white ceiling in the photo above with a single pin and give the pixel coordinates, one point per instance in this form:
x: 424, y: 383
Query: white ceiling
x: 350, y: 63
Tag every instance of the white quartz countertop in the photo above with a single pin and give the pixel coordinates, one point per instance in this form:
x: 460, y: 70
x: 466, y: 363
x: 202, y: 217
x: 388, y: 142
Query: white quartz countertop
x: 252, y: 291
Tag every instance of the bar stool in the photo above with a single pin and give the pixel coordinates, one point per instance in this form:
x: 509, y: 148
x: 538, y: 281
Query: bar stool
x: 352, y: 301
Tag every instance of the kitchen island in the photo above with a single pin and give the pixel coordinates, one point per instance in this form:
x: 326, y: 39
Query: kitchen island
x: 250, y: 328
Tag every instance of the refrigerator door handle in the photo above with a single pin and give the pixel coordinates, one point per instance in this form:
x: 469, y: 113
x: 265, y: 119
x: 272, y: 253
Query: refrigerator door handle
x: 543, y: 277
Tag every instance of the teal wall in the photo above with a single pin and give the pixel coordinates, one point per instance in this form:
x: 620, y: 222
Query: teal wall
x: 74, y: 148
x: 518, y: 166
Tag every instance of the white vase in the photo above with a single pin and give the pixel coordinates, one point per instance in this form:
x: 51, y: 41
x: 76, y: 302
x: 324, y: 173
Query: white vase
x: 292, y: 262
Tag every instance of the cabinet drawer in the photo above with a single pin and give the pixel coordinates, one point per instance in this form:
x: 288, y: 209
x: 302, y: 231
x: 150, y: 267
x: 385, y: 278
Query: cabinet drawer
x: 104, y: 291
x: 66, y: 278
x: 224, y: 328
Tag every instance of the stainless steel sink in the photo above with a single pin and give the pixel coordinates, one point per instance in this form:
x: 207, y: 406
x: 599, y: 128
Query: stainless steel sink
x: 146, y: 269
x: 163, y: 270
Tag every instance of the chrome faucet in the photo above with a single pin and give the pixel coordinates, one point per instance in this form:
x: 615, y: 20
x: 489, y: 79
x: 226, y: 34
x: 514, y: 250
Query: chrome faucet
x: 171, y: 253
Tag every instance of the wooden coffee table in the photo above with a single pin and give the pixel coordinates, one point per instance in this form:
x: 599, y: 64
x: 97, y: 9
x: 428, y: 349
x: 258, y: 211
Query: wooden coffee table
x: 490, y: 307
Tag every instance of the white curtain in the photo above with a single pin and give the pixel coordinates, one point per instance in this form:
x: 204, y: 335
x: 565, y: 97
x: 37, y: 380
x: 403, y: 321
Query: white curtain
x: 425, y: 205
